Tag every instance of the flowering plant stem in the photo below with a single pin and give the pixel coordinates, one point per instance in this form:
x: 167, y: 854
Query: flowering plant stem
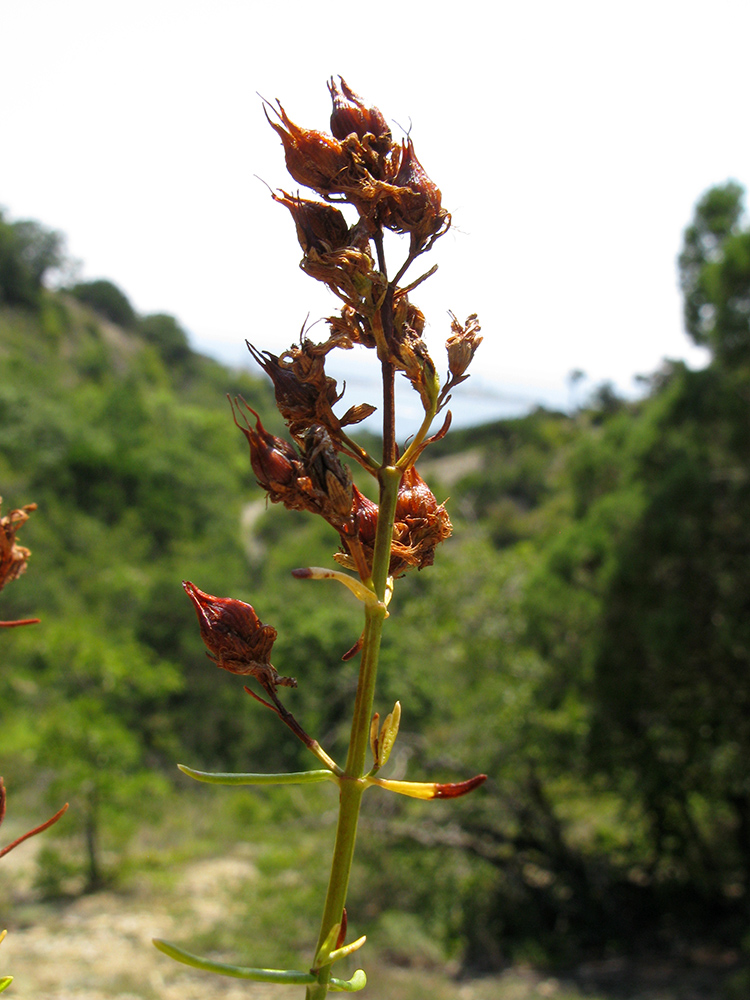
x: 352, y: 786
x: 360, y: 165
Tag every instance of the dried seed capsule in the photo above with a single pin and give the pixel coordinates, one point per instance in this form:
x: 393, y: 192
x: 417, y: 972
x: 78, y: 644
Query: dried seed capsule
x: 236, y: 639
x: 350, y: 115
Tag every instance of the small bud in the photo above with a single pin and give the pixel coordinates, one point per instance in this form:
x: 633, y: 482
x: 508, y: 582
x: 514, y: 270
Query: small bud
x: 388, y: 733
x: 462, y: 345
x: 350, y: 115
x: 235, y: 637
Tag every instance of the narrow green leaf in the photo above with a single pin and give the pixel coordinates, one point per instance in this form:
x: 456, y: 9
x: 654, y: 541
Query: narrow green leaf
x: 236, y: 971
x: 353, y: 985
x: 290, y: 778
x: 5, y: 982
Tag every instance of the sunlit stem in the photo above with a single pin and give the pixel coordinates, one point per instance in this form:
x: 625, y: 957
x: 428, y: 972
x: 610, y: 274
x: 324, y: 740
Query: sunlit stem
x: 359, y: 454
x: 352, y: 787
x: 412, y: 452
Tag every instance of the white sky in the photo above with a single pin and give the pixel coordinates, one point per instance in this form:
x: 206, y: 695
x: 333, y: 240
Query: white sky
x: 571, y: 141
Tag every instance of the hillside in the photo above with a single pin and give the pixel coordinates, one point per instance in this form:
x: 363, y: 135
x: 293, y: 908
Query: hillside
x: 582, y: 639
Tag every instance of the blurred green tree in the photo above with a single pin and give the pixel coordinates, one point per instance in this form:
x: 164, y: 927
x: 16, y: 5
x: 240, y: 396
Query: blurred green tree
x: 28, y: 252
x: 107, y: 299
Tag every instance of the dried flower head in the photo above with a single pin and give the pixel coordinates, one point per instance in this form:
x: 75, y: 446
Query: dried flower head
x: 462, y: 345
x: 13, y: 557
x: 235, y: 637
x: 421, y: 524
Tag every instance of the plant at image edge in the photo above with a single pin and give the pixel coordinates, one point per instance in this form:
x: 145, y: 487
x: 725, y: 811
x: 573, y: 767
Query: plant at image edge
x: 358, y: 164
x: 13, y: 559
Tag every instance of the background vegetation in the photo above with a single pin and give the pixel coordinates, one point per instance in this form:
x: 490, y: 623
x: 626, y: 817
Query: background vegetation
x: 584, y: 638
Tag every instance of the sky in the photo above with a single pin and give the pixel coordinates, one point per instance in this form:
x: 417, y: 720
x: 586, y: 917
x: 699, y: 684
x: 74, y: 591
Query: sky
x: 571, y: 142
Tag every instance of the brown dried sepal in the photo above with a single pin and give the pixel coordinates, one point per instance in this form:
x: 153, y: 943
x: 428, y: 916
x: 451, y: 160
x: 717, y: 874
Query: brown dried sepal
x: 350, y: 328
x: 329, y: 477
x: 462, y: 344
x: 236, y: 639
x: 420, y: 525
x: 350, y: 274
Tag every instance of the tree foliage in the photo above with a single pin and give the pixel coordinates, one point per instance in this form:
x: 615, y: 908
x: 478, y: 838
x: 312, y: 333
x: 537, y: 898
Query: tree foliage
x: 28, y: 252
x: 107, y: 300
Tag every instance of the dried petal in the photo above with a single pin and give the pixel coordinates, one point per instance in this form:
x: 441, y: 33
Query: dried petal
x: 356, y: 414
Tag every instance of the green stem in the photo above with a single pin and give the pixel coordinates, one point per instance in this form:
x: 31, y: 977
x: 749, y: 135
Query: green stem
x: 352, y: 785
x: 412, y: 452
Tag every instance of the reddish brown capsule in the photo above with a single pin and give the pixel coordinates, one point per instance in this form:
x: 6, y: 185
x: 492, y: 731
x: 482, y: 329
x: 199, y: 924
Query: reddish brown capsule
x: 314, y: 159
x: 418, y: 210
x: 235, y: 637
x: 271, y: 458
x: 350, y: 115
x: 320, y: 227
x: 421, y: 524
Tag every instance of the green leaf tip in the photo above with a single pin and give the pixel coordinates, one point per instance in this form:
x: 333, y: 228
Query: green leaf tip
x: 5, y: 983
x: 353, y: 985
x: 236, y: 971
